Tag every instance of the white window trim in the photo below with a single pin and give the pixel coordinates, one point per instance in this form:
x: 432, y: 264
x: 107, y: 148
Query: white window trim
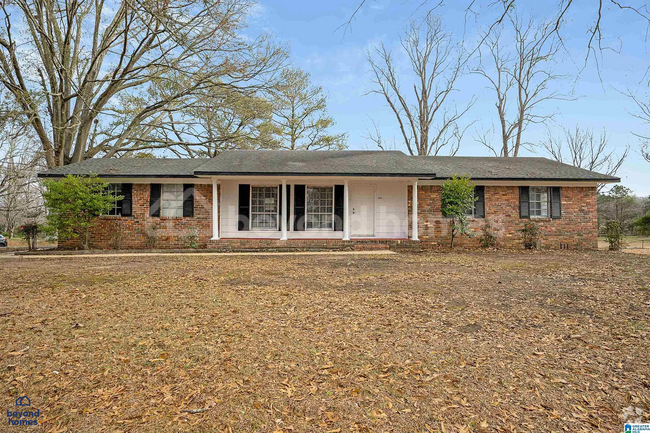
x: 548, y: 202
x: 277, y: 208
x: 112, y: 187
x: 307, y: 213
x: 162, y: 200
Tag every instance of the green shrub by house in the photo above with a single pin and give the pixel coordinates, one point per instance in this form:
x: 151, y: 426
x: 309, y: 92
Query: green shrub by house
x: 457, y: 198
x: 74, y: 203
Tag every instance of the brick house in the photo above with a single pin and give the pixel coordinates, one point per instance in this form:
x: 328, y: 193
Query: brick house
x: 337, y: 199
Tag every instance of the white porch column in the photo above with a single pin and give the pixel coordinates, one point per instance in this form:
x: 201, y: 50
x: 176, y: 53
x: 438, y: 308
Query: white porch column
x: 283, y: 223
x: 215, y: 210
x: 346, y: 213
x: 414, y: 211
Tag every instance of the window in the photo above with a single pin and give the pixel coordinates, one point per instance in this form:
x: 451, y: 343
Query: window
x: 320, y: 208
x: 539, y: 201
x: 478, y: 208
x: 115, y: 189
x: 264, y: 208
x: 172, y: 200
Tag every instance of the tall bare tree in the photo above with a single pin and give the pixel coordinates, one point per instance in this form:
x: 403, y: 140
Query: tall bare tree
x: 642, y: 112
x: 20, y: 197
x: 518, y: 72
x: 581, y: 148
x: 300, y: 114
x: 98, y: 79
x: 597, y: 13
x: 428, y: 122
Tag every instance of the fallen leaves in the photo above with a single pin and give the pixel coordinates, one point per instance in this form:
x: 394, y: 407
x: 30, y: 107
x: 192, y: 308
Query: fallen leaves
x: 462, y: 342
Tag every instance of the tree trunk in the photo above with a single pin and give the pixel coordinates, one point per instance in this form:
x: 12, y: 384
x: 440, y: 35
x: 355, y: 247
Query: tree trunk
x: 86, y: 242
x: 453, y: 232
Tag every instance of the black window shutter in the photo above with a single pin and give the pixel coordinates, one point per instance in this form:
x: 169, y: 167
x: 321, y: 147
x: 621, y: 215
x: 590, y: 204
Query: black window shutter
x: 154, y: 200
x: 127, y: 201
x: 338, y: 208
x: 188, y: 199
x: 299, y: 207
x: 524, y: 202
x: 244, y: 207
x: 288, y: 215
x: 479, y: 204
x: 556, y: 202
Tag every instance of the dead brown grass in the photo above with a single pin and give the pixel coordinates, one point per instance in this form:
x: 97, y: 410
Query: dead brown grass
x: 436, y: 342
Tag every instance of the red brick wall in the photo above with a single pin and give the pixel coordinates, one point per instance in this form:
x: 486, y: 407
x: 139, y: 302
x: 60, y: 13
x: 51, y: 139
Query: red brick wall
x: 577, y: 229
x: 142, y: 231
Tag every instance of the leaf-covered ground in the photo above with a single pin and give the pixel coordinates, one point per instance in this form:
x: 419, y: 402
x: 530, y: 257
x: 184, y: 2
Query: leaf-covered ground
x: 479, y: 342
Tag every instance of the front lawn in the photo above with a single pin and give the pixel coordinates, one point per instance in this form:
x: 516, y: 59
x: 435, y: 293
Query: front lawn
x: 554, y: 341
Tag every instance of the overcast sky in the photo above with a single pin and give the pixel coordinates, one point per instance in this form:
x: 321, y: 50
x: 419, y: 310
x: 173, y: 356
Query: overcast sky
x: 336, y: 61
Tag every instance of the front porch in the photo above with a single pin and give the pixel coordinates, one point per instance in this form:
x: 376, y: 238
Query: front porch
x: 286, y: 211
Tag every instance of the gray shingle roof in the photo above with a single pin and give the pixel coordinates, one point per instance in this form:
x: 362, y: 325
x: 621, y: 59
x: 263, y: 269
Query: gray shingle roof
x: 129, y: 167
x: 314, y: 163
x: 335, y: 163
x: 487, y: 168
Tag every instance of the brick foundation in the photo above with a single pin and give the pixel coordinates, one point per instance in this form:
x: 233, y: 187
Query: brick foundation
x: 577, y: 229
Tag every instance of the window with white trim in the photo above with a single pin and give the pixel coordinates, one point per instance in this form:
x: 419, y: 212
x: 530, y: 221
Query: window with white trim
x: 539, y: 201
x: 264, y: 208
x: 320, y: 208
x: 171, y: 203
x: 115, y: 189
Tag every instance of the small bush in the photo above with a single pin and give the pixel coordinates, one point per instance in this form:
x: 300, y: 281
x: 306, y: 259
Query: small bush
x: 30, y: 231
x: 614, y: 235
x: 191, y: 240
x: 489, y: 236
x: 151, y: 237
x: 117, y: 234
x: 531, y: 235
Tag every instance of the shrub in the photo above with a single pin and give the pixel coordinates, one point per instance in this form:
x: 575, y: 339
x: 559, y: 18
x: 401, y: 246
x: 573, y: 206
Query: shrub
x: 614, y: 235
x: 191, y: 239
x: 151, y: 236
x: 531, y: 235
x: 117, y: 234
x: 642, y: 225
x: 30, y: 231
x: 489, y: 236
x: 74, y: 203
x: 457, y: 198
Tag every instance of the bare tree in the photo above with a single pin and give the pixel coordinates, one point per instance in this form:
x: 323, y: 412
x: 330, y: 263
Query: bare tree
x: 20, y: 197
x: 584, y: 150
x: 599, y: 10
x: 645, y: 151
x: 99, y: 79
x: 642, y: 113
x: 519, y: 77
x: 430, y: 123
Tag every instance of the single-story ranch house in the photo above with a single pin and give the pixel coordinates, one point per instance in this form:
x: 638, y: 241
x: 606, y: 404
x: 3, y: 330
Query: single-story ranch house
x: 332, y: 199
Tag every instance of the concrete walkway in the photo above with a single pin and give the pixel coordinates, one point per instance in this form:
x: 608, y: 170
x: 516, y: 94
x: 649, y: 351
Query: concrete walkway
x: 291, y: 253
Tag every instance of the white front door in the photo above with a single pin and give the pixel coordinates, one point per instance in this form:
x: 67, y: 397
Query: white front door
x: 362, y: 210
